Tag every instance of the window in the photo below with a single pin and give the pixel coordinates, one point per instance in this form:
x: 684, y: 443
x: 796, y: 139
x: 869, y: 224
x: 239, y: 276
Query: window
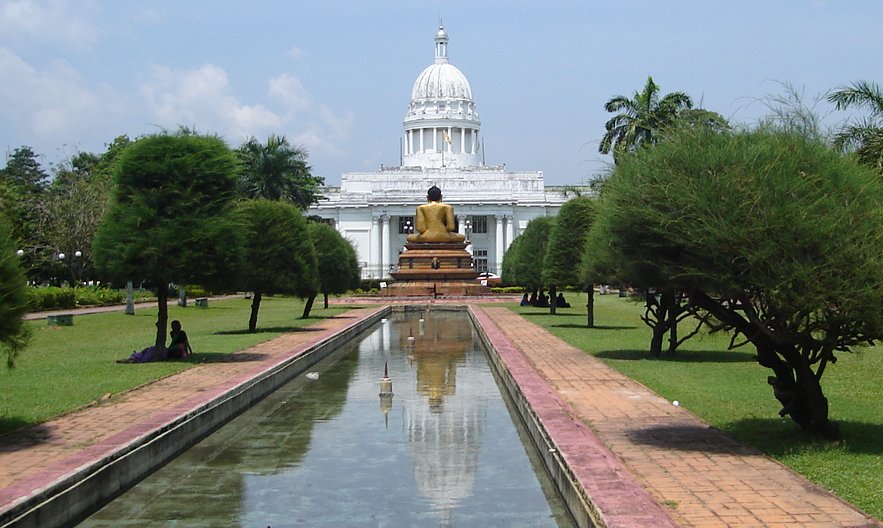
x: 479, y: 225
x: 329, y: 221
x: 406, y: 225
x: 479, y: 259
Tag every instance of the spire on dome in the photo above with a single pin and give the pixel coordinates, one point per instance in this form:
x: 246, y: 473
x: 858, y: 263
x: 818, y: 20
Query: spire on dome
x: 441, y: 43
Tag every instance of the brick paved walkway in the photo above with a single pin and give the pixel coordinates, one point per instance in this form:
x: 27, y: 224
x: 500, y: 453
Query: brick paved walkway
x: 702, y: 477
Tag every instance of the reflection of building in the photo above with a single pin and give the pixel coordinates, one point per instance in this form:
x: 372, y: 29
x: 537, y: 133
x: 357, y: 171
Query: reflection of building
x: 444, y: 411
x: 441, y: 146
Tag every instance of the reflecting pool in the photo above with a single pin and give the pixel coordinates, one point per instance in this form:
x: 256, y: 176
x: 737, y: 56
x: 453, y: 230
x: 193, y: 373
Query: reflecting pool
x: 443, y: 451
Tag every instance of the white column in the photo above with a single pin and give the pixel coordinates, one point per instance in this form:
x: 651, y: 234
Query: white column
x: 434, y: 139
x: 498, y: 252
x: 461, y: 224
x: 462, y: 140
x: 510, y: 229
x: 374, y: 247
x: 422, y: 133
x: 384, y: 248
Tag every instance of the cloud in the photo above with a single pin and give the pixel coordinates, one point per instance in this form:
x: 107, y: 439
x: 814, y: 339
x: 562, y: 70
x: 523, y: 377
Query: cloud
x: 53, y: 103
x: 63, y: 23
x: 309, y: 123
x: 202, y: 98
x: 296, y: 53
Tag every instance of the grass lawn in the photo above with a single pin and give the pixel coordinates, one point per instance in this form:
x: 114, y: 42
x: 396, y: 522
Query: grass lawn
x: 65, y: 367
x: 728, y: 389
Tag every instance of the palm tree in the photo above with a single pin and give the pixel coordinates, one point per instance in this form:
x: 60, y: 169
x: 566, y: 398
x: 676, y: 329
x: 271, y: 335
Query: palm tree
x: 640, y: 118
x: 277, y: 171
x: 865, y: 137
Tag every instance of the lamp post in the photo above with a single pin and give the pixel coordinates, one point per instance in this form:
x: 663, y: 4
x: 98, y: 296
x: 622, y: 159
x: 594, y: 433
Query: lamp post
x: 468, y: 229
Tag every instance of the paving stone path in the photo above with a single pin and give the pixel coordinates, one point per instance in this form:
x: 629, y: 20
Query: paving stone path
x: 702, y: 477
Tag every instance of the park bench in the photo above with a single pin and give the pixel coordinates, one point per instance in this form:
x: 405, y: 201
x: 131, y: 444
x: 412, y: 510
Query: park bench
x: 61, y: 320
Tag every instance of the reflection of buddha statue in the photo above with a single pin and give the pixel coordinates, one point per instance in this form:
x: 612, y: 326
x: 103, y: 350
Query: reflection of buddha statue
x: 435, y: 220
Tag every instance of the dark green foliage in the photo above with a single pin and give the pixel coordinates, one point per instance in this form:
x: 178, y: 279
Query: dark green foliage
x: 774, y: 236
x: 280, y: 256
x: 507, y: 273
x: 338, y: 264
x: 277, y: 171
x: 171, y: 218
x: 22, y: 184
x: 528, y: 251
x: 567, y: 241
x: 13, y: 302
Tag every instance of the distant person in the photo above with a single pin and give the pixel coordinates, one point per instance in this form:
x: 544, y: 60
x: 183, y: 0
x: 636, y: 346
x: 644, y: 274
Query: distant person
x: 179, y: 348
x: 561, y: 302
x: 533, y: 299
x: 542, y: 301
x: 525, y: 301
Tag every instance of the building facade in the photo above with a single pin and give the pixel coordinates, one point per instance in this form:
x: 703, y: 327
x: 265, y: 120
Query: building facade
x: 441, y: 146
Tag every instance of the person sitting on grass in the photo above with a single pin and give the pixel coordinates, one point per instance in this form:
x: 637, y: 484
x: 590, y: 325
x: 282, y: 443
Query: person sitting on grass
x: 179, y: 348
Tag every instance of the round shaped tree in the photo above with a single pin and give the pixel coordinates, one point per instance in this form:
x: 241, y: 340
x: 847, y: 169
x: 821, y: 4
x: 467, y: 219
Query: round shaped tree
x: 774, y: 236
x: 280, y: 254
x: 171, y: 218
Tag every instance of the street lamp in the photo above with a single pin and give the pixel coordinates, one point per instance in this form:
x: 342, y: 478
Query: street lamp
x: 20, y: 252
x: 468, y: 229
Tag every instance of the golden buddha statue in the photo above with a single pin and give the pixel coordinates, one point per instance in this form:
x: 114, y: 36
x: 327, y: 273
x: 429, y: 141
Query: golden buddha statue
x: 435, y: 220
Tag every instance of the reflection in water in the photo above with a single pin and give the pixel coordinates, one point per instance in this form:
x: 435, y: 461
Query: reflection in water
x: 444, y: 426
x: 322, y: 453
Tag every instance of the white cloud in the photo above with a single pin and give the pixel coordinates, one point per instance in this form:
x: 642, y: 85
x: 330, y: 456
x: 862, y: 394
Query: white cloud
x: 65, y: 23
x: 52, y: 103
x: 308, y: 123
x: 202, y: 98
x: 296, y: 53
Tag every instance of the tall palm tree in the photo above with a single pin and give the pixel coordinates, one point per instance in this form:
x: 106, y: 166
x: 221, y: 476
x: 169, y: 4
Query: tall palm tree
x: 865, y: 137
x: 640, y: 118
x: 277, y: 170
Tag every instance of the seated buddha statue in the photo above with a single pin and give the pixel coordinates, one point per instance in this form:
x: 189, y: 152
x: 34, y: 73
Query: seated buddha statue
x: 435, y: 220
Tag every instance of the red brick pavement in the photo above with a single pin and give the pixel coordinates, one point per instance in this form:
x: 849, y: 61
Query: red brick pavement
x: 702, y: 477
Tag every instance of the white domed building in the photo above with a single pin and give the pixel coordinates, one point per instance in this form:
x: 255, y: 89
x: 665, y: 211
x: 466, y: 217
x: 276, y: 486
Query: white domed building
x: 441, y: 146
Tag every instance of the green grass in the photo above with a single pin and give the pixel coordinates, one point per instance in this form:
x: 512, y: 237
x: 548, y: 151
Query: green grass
x: 66, y: 367
x: 728, y: 389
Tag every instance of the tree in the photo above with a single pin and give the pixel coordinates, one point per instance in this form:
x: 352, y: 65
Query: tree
x: 640, y: 118
x: 22, y: 183
x: 281, y: 255
x: 776, y: 238
x: 508, y: 272
x: 13, y: 302
x: 74, y: 205
x: 865, y: 137
x: 528, y: 256
x: 172, y: 219
x: 338, y: 264
x: 565, y: 247
x: 277, y: 171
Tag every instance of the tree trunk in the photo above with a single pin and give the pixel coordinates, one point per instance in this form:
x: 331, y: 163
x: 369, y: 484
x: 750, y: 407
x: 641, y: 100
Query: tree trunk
x: 162, y: 300
x: 326, y: 300
x: 794, y: 384
x: 553, y: 293
x: 255, y: 306
x: 308, y: 306
x: 590, y: 307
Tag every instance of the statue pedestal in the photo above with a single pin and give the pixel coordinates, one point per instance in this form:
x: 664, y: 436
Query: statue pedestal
x: 435, y: 269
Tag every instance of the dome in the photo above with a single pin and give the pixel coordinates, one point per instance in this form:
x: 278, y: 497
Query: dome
x: 441, y: 80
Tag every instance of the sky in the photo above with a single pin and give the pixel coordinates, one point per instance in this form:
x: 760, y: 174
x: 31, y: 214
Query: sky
x: 335, y: 77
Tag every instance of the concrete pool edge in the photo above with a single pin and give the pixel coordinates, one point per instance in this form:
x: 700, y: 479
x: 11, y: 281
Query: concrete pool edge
x: 613, y: 498
x: 105, y: 470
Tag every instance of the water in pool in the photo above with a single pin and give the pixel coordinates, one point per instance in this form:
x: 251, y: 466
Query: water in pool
x: 443, y: 451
